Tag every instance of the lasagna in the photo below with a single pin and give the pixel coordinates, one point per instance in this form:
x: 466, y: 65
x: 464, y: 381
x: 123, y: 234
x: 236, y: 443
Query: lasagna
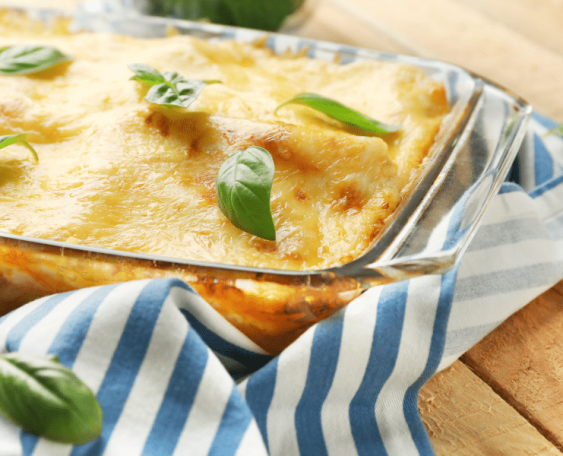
x: 118, y: 172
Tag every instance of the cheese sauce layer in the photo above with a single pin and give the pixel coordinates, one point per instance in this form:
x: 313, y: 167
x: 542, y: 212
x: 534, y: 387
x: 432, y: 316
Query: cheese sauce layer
x: 116, y: 172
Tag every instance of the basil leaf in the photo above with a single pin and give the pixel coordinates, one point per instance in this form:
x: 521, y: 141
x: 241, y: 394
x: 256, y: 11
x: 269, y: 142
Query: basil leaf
x: 46, y: 398
x: 181, y: 95
x: 146, y: 74
x: 24, y: 59
x: 243, y: 187
x: 341, y: 113
x: 21, y: 138
x: 168, y: 88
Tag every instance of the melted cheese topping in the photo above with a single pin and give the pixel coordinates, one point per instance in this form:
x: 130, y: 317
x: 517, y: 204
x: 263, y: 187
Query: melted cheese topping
x: 116, y: 172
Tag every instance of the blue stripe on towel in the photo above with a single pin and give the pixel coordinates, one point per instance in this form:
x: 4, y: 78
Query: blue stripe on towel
x: 253, y: 361
x: 538, y: 191
x: 18, y: 332
x: 70, y: 337
x: 437, y: 343
x: 179, y: 397
x: 509, y: 187
x: 28, y: 442
x: 68, y: 341
x: 410, y: 404
x: 259, y: 394
x: 127, y: 360
x: 543, y: 162
x: 322, y: 367
x: 385, y: 347
x: 234, y: 423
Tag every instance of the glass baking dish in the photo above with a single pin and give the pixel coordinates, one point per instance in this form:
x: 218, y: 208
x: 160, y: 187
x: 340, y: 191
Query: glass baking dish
x: 426, y: 235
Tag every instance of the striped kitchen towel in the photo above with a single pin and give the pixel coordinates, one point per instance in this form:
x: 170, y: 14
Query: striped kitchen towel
x: 174, y: 378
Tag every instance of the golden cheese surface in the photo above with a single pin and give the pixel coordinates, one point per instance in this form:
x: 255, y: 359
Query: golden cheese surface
x: 116, y: 172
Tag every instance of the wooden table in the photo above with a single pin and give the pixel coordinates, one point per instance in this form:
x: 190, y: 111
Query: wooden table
x: 505, y: 396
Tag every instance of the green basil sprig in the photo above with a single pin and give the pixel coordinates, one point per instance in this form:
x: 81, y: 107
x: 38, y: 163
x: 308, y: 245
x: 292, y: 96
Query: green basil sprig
x: 243, y: 187
x: 20, y: 138
x: 168, y: 88
x: 46, y: 398
x: 341, y: 113
x: 25, y: 59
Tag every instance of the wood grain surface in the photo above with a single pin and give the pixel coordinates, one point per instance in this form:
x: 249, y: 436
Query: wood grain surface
x: 464, y: 416
x: 523, y: 362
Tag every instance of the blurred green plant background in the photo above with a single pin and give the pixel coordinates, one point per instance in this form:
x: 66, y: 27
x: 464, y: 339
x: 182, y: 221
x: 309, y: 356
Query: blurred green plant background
x: 258, y: 14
